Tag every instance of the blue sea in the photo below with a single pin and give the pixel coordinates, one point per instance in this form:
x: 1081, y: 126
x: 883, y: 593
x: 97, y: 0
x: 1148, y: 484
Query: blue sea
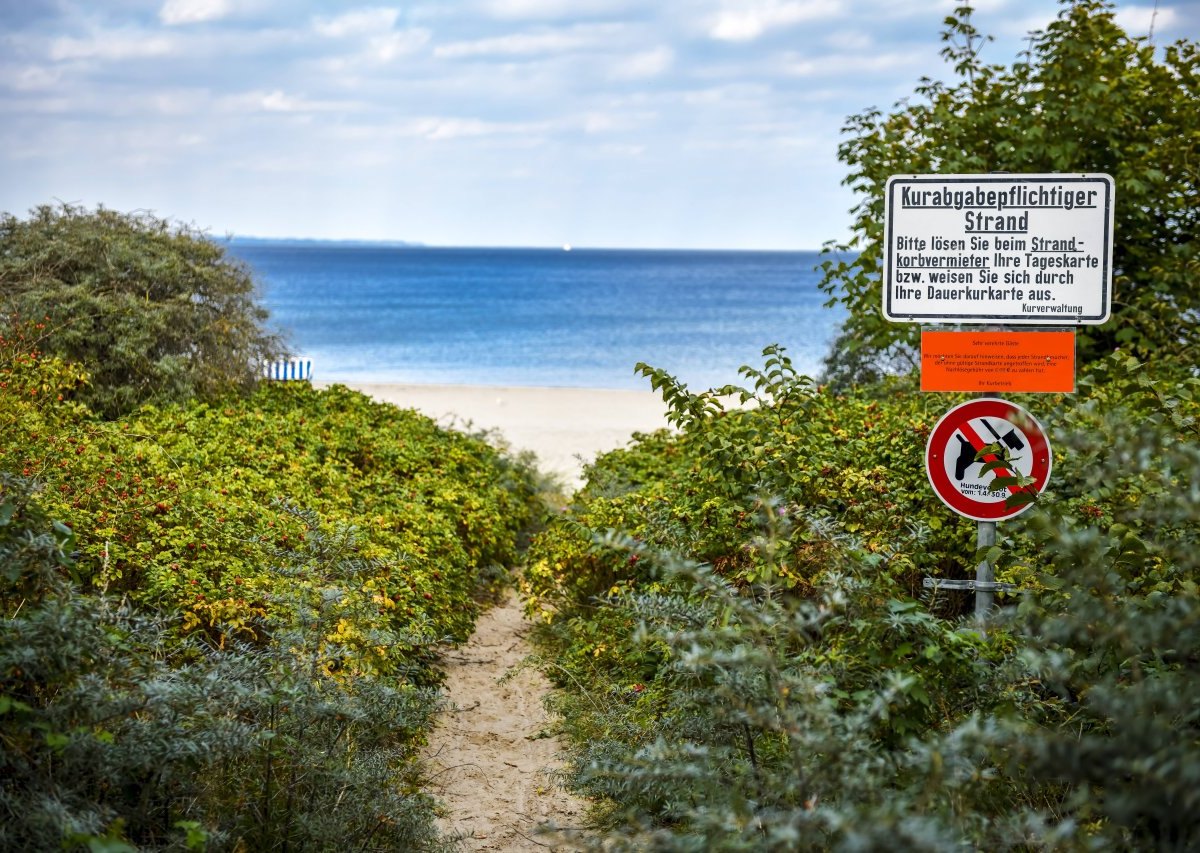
x: 539, y: 317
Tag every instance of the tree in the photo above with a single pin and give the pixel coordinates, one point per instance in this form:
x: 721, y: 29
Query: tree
x: 1084, y: 97
x: 153, y: 310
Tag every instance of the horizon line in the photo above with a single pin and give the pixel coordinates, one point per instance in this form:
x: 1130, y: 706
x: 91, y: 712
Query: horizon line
x: 414, y: 244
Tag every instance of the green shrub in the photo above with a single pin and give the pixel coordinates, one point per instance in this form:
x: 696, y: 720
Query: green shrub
x: 851, y: 459
x: 747, y: 663
x: 191, y: 660
x: 117, y: 733
x: 183, y: 507
x: 152, y: 310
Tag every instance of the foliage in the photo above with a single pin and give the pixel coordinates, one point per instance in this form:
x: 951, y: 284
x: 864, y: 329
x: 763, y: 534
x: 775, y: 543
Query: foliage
x: 114, y: 733
x: 747, y: 665
x: 186, y: 507
x: 189, y: 660
x: 851, y: 459
x: 153, y: 311
x: 1114, y: 641
x: 1086, y: 97
x: 734, y: 612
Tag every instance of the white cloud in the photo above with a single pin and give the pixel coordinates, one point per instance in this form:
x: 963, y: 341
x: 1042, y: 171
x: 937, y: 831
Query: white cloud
x: 1138, y: 20
x: 457, y: 128
x: 376, y: 25
x: 175, y: 12
x: 722, y: 96
x: 542, y: 9
x: 111, y: 45
x: 621, y: 151
x: 593, y: 123
x: 846, y: 63
x: 849, y: 40
x: 648, y: 63
x: 278, y: 101
x: 441, y: 128
x: 32, y: 78
x: 387, y: 47
x: 360, y: 22
x: 746, y: 20
x: 516, y: 44
x: 599, y: 123
x: 179, y: 102
x: 551, y: 86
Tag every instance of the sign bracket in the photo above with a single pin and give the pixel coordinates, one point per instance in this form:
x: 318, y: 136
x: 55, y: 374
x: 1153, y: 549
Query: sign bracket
x: 967, y: 585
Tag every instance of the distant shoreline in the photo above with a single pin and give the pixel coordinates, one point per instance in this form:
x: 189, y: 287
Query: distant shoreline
x: 235, y: 240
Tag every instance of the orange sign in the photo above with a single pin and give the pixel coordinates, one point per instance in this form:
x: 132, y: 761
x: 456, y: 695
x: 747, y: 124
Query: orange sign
x: 1012, y: 362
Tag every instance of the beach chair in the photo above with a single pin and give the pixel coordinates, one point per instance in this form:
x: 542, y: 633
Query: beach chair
x: 289, y: 370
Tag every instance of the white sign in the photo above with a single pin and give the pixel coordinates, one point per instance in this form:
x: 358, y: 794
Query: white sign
x: 1005, y: 249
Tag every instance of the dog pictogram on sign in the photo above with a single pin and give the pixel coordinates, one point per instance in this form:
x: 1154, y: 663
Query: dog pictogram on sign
x: 962, y: 481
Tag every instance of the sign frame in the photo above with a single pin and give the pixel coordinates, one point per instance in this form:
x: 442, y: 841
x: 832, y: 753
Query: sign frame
x: 1060, y: 216
x: 951, y: 423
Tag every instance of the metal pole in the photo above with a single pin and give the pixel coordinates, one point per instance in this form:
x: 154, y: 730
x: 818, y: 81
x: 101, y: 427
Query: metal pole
x: 984, y: 575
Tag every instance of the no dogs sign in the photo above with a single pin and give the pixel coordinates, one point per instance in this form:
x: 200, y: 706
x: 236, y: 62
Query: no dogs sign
x: 963, y: 482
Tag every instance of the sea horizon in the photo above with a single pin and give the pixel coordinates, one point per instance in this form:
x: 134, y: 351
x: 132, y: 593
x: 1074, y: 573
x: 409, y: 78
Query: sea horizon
x: 356, y: 242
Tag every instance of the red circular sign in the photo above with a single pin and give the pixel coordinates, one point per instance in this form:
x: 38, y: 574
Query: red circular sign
x: 957, y: 476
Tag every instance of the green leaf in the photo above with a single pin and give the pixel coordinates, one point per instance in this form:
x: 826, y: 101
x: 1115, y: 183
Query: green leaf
x: 110, y: 845
x: 8, y: 703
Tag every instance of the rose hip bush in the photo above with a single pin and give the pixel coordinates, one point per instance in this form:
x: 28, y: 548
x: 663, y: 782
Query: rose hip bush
x: 748, y: 660
x: 189, y: 508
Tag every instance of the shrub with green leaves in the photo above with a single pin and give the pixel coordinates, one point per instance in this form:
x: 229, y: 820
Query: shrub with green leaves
x: 222, y: 618
x: 152, y: 310
x: 185, y: 507
x: 850, y: 458
x: 118, y: 735
x: 747, y: 662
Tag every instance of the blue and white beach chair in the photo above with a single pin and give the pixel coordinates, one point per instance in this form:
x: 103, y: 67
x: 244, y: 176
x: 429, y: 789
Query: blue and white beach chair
x: 289, y: 369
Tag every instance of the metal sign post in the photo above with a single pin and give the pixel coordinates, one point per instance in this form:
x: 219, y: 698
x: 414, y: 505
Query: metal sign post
x: 985, y: 576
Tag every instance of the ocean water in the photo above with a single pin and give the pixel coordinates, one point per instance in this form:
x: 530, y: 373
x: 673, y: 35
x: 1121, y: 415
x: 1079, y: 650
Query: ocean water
x: 539, y: 317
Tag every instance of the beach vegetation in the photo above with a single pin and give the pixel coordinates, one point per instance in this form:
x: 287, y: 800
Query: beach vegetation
x: 222, y: 617
x: 152, y: 310
x: 748, y: 659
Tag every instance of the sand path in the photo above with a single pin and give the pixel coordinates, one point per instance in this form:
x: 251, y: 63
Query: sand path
x: 489, y: 756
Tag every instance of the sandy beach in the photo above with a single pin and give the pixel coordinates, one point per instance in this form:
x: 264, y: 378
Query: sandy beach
x: 565, y: 427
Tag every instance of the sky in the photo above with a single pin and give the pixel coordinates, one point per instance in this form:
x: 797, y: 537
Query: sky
x: 607, y: 123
